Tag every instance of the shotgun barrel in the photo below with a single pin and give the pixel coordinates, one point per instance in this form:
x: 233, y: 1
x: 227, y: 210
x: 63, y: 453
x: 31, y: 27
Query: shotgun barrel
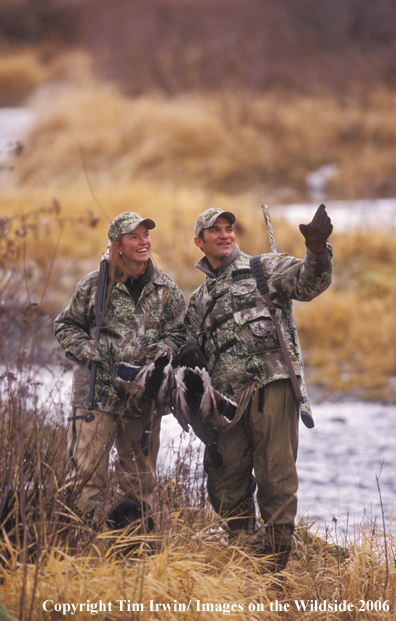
x: 102, y: 285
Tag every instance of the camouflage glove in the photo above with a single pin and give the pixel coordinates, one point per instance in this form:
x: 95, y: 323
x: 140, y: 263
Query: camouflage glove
x: 317, y: 231
x: 91, y: 351
x: 191, y: 356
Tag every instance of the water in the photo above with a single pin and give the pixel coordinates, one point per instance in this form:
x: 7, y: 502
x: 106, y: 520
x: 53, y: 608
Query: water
x: 15, y: 123
x: 347, y: 463
x: 352, y: 445
x: 345, y: 215
x: 338, y: 462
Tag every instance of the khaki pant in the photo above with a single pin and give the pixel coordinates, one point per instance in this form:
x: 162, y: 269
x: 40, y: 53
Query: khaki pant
x: 267, y: 442
x: 89, y: 445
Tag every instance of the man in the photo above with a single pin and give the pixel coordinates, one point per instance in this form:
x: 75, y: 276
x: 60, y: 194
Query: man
x: 228, y: 319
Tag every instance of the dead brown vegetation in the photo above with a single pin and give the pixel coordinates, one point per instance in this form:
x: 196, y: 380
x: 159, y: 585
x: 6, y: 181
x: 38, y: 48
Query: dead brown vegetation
x: 224, y: 143
x: 174, y: 46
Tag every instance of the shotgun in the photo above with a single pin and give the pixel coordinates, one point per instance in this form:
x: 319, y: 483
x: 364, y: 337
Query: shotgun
x: 102, y: 286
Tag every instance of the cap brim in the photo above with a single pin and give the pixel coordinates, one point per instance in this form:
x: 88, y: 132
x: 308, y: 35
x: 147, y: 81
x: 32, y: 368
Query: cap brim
x: 200, y: 226
x: 149, y: 223
x: 146, y: 221
x: 229, y: 215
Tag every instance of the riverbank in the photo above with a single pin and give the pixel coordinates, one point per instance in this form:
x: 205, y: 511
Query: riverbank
x: 186, y: 564
x: 344, y: 464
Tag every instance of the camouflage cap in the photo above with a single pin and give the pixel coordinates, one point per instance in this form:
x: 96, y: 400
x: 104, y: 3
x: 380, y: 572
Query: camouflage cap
x: 126, y: 223
x: 206, y: 219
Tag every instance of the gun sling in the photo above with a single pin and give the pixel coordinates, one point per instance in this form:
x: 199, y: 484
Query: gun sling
x: 257, y: 271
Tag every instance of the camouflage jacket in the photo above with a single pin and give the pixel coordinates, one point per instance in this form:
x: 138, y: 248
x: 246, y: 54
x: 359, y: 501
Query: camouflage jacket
x: 230, y: 320
x: 129, y: 333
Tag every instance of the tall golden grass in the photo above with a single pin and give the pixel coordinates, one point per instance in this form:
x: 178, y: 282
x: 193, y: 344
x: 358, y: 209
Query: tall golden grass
x: 50, y: 560
x: 224, y: 580
x: 188, y: 565
x: 21, y: 72
x: 228, y: 142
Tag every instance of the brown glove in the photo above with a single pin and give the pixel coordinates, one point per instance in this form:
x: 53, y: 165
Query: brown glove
x: 317, y: 231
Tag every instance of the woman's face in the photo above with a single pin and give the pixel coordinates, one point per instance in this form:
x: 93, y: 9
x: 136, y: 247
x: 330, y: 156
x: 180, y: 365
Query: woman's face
x: 135, y: 247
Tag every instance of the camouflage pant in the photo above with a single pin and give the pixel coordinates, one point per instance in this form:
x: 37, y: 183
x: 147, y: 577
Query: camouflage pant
x: 267, y: 442
x: 89, y: 445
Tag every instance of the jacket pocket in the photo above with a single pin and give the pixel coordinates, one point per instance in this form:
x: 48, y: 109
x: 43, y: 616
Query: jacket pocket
x: 243, y: 287
x: 243, y: 295
x: 257, y: 328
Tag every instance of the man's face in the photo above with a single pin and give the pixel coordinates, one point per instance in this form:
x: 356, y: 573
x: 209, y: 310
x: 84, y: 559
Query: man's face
x: 218, y: 241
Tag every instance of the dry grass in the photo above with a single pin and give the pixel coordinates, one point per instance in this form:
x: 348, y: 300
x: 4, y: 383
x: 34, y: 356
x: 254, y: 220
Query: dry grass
x: 24, y: 69
x: 191, y: 564
x: 174, y: 209
x: 226, y: 142
x: 348, y: 333
x: 21, y: 72
x: 48, y: 558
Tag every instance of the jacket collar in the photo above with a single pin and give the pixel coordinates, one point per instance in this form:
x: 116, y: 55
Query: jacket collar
x: 205, y: 267
x: 152, y: 274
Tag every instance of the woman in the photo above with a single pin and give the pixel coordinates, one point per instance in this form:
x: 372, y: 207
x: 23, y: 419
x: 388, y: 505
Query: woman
x: 142, y: 321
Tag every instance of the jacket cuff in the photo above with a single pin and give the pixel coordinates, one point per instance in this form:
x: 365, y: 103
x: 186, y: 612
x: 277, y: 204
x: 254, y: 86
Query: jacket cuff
x: 320, y: 261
